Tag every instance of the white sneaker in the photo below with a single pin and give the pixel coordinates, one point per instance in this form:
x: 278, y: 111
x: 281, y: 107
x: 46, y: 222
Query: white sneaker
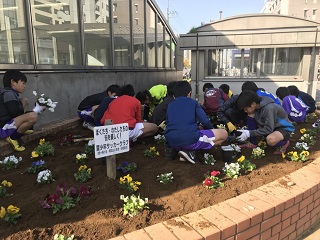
x: 88, y: 125
x: 187, y: 156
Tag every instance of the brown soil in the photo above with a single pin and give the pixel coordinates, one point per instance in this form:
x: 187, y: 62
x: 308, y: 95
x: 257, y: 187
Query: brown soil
x: 100, y: 216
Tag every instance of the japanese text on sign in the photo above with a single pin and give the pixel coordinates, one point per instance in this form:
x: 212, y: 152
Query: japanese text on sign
x: 111, y: 139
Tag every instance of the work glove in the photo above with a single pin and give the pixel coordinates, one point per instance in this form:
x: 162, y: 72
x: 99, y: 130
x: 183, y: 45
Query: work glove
x: 244, y: 136
x: 231, y: 127
x: 38, y: 108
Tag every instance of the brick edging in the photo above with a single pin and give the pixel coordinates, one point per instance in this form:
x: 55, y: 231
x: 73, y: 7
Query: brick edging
x: 282, y: 209
x: 41, y: 132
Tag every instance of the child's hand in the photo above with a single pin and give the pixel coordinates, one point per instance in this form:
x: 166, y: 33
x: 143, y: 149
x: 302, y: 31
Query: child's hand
x: 244, y: 136
x: 38, y: 108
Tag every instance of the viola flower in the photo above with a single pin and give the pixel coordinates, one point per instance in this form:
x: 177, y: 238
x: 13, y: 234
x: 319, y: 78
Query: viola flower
x: 241, y: 158
x: 34, y: 154
x: 214, y: 173
x: 302, y: 130
x: 42, y: 141
x: 211, y: 180
x: 2, y: 212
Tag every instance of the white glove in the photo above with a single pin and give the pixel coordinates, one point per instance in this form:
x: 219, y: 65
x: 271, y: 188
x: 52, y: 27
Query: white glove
x: 243, y: 137
x: 39, y: 109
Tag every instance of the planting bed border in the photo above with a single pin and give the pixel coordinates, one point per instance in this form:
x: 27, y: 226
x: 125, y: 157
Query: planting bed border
x: 282, y: 209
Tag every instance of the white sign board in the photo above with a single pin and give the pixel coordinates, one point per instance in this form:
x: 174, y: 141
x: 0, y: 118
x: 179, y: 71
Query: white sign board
x: 111, y: 139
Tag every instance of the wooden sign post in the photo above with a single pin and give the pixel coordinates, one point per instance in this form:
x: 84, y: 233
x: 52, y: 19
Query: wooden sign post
x: 110, y: 140
x: 111, y: 161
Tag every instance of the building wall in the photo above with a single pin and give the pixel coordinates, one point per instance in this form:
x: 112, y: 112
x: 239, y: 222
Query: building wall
x: 306, y: 9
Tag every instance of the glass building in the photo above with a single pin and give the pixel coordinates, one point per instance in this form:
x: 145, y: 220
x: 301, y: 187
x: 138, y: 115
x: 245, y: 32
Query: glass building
x: 85, y: 46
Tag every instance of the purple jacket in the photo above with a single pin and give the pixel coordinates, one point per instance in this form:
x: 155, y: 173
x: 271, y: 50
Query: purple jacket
x: 295, y: 108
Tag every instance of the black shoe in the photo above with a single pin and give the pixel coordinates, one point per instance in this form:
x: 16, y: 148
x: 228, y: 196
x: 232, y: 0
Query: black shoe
x: 188, y: 156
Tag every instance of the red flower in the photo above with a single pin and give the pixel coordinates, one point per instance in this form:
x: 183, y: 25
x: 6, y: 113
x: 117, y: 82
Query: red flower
x: 215, y: 173
x: 51, y: 199
x: 208, y: 182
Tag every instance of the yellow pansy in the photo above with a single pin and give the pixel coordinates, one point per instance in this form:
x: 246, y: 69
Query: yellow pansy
x: 241, y: 158
x: 12, y: 209
x: 129, y: 179
x: 34, y: 154
x: 82, y: 167
x: 283, y: 155
x: 2, y: 212
x: 157, y: 153
x: 89, y: 170
x: 138, y: 183
x: 122, y: 180
x: 152, y: 148
x: 303, y: 130
x: 6, y: 183
x: 42, y: 141
x: 305, y: 153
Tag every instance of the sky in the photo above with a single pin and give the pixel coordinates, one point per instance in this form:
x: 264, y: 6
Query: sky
x: 185, y: 14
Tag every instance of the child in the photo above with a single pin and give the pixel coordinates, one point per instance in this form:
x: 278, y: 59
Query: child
x: 127, y: 109
x: 295, y: 108
x: 305, y: 97
x: 160, y: 112
x: 249, y: 85
x: 272, y: 120
x: 230, y: 115
x: 113, y: 92
x: 182, y: 132
x: 88, y: 105
x: 14, y: 122
x: 158, y: 93
x: 226, y: 89
x: 213, y: 99
x: 145, y: 98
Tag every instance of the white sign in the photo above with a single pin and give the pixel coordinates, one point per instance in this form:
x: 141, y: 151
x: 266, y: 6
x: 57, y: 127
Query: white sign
x: 111, y: 139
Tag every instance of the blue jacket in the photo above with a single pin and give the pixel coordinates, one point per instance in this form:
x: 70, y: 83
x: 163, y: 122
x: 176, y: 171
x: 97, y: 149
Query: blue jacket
x: 182, y: 126
x: 262, y: 93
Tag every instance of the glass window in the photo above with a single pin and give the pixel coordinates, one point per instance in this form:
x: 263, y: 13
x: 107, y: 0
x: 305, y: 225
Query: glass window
x: 97, y: 33
x: 173, y: 52
x: 14, y: 46
x: 167, y: 49
x: 121, y: 28
x: 151, y: 37
x: 57, y: 35
x: 256, y: 62
x: 160, y: 44
x: 138, y: 37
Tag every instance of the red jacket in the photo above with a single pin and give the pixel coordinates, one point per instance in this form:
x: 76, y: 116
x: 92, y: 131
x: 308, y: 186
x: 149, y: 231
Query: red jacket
x: 124, y: 109
x: 213, y: 100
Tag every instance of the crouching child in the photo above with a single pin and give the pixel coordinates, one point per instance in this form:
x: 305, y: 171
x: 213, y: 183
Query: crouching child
x: 182, y: 132
x: 272, y: 120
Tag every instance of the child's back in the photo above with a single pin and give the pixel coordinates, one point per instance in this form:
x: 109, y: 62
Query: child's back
x: 294, y: 107
x: 213, y: 99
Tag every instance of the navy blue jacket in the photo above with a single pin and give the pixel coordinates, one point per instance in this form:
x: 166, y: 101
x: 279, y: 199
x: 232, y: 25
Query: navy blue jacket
x: 182, y: 126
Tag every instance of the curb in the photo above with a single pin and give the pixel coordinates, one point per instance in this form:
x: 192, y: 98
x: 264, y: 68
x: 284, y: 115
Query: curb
x: 282, y: 209
x: 41, y: 132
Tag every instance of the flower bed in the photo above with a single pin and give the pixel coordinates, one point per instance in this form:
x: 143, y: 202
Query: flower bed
x: 101, y: 214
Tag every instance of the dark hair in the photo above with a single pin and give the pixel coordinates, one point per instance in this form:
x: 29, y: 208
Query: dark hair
x: 294, y: 90
x: 14, y: 75
x: 142, y: 96
x: 207, y: 85
x: 181, y: 89
x: 249, y: 85
x: 170, y: 88
x: 282, y: 92
x: 114, y: 88
x: 225, y: 88
x: 246, y: 98
x: 127, y: 90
